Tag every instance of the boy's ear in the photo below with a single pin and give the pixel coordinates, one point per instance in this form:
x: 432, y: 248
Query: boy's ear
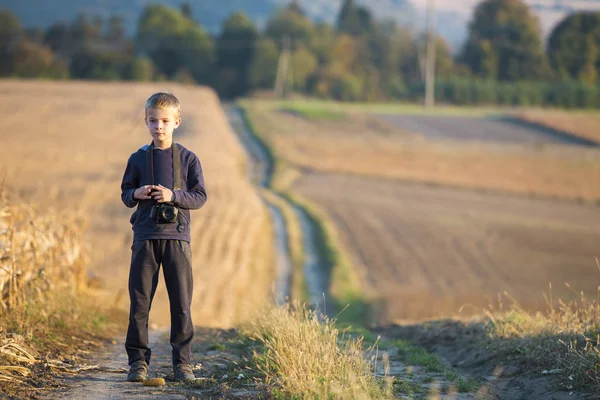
x: 177, y: 123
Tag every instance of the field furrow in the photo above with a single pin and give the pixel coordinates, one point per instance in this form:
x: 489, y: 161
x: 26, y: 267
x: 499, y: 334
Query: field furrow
x: 429, y: 252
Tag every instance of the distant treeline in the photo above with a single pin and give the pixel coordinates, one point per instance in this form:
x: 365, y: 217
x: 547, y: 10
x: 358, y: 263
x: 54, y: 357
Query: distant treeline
x: 358, y: 58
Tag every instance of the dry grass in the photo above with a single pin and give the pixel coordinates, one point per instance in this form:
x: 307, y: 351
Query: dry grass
x: 565, y: 340
x: 581, y: 124
x: 304, y: 357
x: 44, y: 300
x: 39, y: 252
x: 365, y: 145
x: 67, y: 148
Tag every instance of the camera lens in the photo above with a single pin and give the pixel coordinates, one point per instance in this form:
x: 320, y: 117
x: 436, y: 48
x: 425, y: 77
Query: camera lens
x: 169, y: 214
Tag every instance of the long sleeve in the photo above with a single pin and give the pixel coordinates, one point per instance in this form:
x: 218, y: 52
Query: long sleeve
x: 129, y: 184
x: 195, y: 196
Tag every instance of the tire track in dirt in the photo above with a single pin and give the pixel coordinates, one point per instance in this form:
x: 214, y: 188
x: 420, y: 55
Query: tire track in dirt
x: 261, y: 172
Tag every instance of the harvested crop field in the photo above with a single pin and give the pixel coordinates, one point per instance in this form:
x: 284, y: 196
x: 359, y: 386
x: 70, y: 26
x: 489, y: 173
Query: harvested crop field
x: 366, y: 145
x: 435, y: 225
x: 426, y: 251
x: 501, y: 129
x: 66, y: 146
x: 583, y: 124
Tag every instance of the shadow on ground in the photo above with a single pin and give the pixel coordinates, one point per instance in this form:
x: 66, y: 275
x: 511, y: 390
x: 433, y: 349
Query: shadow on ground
x: 519, y: 367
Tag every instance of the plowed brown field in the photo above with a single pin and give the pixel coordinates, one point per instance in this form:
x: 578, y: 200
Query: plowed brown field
x: 428, y: 251
x: 366, y: 145
x: 437, y: 226
x: 66, y: 145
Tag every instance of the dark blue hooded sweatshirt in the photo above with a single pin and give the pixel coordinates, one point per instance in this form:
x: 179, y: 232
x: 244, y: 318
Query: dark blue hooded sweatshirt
x: 191, y: 196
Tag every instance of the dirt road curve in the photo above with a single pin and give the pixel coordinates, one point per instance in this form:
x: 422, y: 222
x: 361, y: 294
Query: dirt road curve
x: 486, y: 129
x: 426, y: 251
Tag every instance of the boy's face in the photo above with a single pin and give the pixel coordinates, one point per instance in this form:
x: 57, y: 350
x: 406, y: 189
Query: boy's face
x: 161, y: 123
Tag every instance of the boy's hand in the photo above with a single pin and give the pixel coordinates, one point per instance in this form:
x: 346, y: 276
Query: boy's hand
x: 143, y: 193
x: 161, y: 194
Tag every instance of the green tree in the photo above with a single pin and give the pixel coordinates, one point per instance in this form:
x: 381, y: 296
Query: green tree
x: 85, y: 31
x: 11, y: 33
x: 354, y: 20
x: 515, y: 49
x: 140, y: 69
x: 186, y: 10
x: 32, y: 60
x: 345, y: 75
x: 263, y: 68
x: 574, y: 45
x: 291, y: 23
x: 115, y: 31
x: 304, y: 64
x: 235, y: 50
x: 174, y: 42
x: 58, y: 38
x: 321, y: 47
x: 90, y: 64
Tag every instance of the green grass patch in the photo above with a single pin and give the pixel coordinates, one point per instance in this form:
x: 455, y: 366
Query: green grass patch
x: 314, y: 112
x: 418, y: 356
x: 414, y: 355
x: 217, y: 346
x: 407, y: 388
x: 315, y: 109
x: 467, y: 385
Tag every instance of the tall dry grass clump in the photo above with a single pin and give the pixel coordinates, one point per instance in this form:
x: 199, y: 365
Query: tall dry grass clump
x: 39, y: 252
x: 42, y: 286
x: 308, y: 357
x: 565, y: 340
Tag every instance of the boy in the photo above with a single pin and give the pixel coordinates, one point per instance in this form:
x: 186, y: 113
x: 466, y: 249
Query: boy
x: 164, y: 180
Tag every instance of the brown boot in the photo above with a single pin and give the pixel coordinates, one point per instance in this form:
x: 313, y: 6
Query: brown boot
x: 138, y: 372
x: 183, y: 372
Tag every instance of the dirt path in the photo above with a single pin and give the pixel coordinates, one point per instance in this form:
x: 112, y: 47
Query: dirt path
x: 219, y: 362
x: 261, y: 172
x: 109, y: 381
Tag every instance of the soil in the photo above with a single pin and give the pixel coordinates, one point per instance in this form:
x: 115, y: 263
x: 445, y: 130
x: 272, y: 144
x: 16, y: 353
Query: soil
x: 428, y: 252
x: 498, y: 129
x: 220, y: 359
x: 465, y: 346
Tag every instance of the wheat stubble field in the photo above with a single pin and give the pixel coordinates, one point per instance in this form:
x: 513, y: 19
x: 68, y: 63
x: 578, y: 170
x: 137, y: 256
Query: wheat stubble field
x: 66, y: 146
x: 426, y: 252
x: 436, y: 227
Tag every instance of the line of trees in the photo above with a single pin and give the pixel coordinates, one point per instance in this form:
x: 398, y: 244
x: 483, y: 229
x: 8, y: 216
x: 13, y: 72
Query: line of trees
x: 358, y: 57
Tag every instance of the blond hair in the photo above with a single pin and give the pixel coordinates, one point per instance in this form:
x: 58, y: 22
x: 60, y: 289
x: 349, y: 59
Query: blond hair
x: 162, y: 101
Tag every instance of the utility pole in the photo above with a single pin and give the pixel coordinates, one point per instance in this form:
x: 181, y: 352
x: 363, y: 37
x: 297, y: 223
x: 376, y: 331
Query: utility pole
x: 430, y: 63
x: 281, y: 81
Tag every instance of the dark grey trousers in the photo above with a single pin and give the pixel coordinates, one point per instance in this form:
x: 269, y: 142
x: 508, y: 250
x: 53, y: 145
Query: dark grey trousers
x: 147, y: 256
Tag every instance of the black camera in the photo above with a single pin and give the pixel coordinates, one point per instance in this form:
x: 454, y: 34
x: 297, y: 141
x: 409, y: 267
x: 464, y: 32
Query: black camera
x: 164, y: 213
